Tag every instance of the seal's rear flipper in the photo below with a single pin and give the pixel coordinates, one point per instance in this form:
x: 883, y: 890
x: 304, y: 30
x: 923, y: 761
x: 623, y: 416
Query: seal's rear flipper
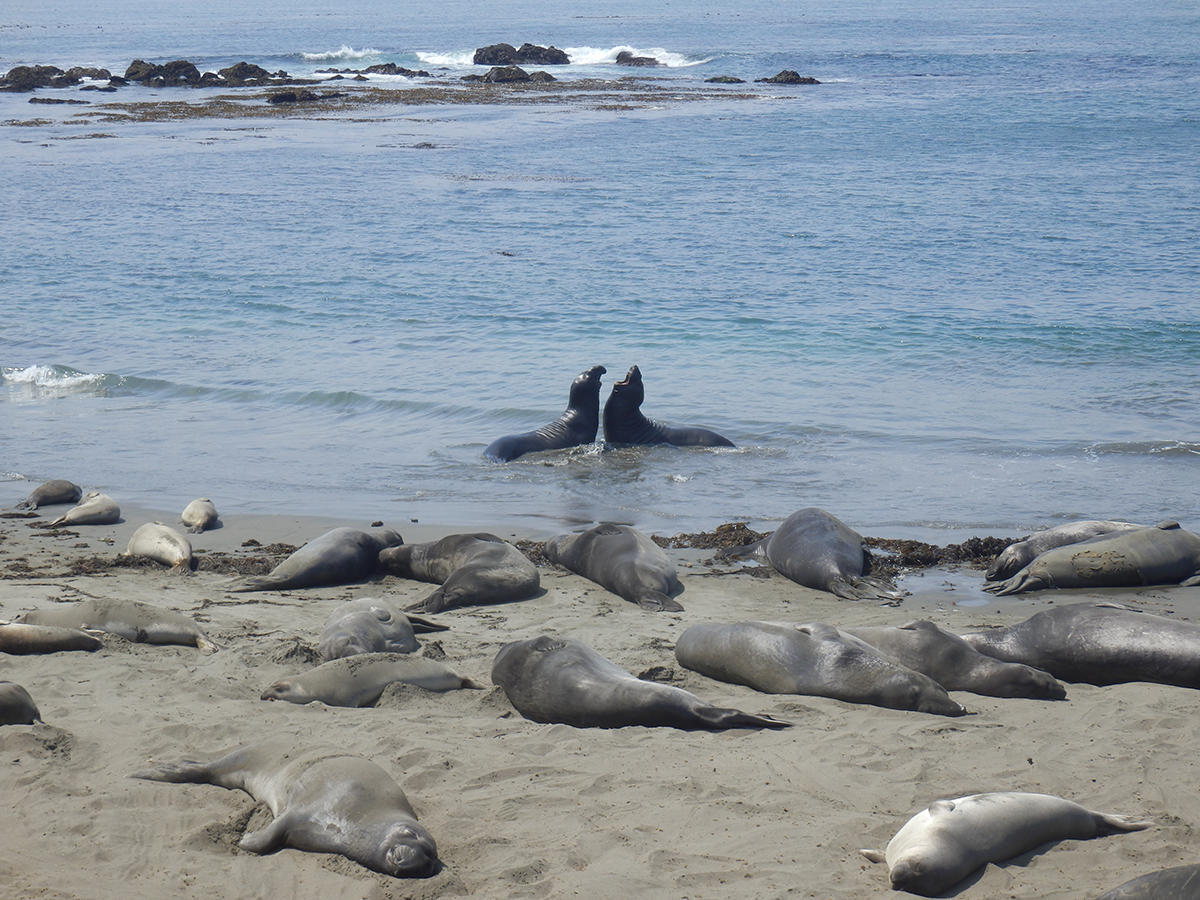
x: 875, y: 856
x: 424, y: 626
x: 758, y: 550
x: 1110, y: 824
x: 865, y: 588
x: 183, y: 772
x: 716, y: 717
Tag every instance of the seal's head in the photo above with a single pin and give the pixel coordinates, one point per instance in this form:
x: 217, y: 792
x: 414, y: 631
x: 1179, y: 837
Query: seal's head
x: 585, y: 389
x: 397, y: 560
x: 285, y: 690
x: 408, y: 851
x: 631, y: 389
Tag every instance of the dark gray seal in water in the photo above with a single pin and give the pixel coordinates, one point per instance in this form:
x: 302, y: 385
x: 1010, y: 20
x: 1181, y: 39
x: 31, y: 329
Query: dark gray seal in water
x: 1140, y: 557
x: 16, y: 706
x: 817, y: 550
x: 1018, y: 555
x: 954, y: 664
x: 813, y: 659
x: 340, y: 556
x: 940, y: 846
x: 1178, y: 883
x: 1099, y: 643
x: 324, y: 801
x: 50, y: 493
x: 577, y: 425
x: 562, y: 680
x: 621, y: 559
x: 472, y: 569
x: 625, y: 424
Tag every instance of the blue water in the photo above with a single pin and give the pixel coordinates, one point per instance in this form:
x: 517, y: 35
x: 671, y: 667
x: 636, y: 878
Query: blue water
x: 955, y: 288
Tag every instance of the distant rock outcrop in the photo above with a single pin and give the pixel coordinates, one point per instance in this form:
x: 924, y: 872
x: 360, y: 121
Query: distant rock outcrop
x: 510, y: 75
x: 527, y: 55
x: 724, y: 79
x: 173, y: 74
x: 378, y: 69
x: 787, y: 76
x: 28, y: 78
x: 625, y: 58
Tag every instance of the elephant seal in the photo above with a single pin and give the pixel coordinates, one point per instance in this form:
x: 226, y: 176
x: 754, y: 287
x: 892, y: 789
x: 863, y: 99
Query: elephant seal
x: 134, y: 621
x: 1019, y: 554
x: 815, y: 660
x: 96, y: 509
x: 20, y: 639
x: 16, y: 706
x: 472, y: 569
x: 818, y: 551
x: 163, y: 544
x: 577, y: 425
x: 1162, y: 554
x: 1099, y: 643
x: 52, y: 492
x: 199, y: 515
x: 625, y: 424
x: 955, y: 664
x: 340, y: 556
x: 621, y: 559
x: 1178, y: 883
x: 360, y: 680
x: 370, y: 625
x: 324, y: 801
x: 940, y: 846
x: 559, y: 680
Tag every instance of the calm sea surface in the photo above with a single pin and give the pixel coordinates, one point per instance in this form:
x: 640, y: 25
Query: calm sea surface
x: 954, y: 288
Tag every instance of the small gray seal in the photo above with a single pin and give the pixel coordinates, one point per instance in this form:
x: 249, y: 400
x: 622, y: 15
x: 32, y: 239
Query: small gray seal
x: 621, y: 559
x: 1019, y: 554
x: 577, y: 425
x: 360, y: 680
x: 16, y: 706
x: 625, y: 424
x: 370, y: 625
x: 1163, y: 554
x: 21, y: 639
x: 1178, y: 883
x: 96, y: 509
x: 562, y: 680
x: 956, y: 665
x: 813, y: 659
x: 134, y: 621
x: 940, y: 846
x: 1099, y: 643
x: 324, y: 801
x: 199, y: 515
x: 817, y: 550
x: 340, y: 556
x: 472, y: 569
x: 163, y: 544
x: 52, y: 492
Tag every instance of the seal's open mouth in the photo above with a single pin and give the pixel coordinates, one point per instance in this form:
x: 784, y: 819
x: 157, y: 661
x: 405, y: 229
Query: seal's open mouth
x: 634, y: 374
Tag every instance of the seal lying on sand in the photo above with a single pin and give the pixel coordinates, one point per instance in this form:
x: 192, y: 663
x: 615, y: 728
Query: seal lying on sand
x: 370, y: 625
x: 577, y: 425
x: 16, y: 706
x: 323, y: 801
x: 561, y: 680
x: 816, y: 660
x: 1163, y: 554
x: 134, y: 621
x: 621, y: 559
x: 199, y: 515
x: 1179, y: 883
x: 50, y: 493
x: 939, y: 847
x: 1018, y: 555
x: 163, y: 544
x: 340, y: 556
x: 815, y: 549
x: 96, y: 509
x: 955, y: 664
x: 625, y: 424
x: 21, y: 639
x: 360, y: 680
x: 472, y: 569
x: 1099, y: 643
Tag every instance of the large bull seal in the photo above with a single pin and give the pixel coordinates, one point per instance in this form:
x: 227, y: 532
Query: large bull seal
x: 561, y: 680
x: 625, y: 424
x: 472, y: 569
x: 134, y: 621
x: 95, y: 509
x: 1178, y: 883
x: 817, y: 550
x: 341, y: 556
x: 956, y: 665
x: 57, y: 491
x: 360, y: 680
x: 939, y: 847
x: 324, y: 801
x: 1019, y: 554
x: 1163, y: 554
x: 621, y: 559
x: 16, y: 706
x: 810, y: 659
x: 577, y: 425
x: 1099, y: 643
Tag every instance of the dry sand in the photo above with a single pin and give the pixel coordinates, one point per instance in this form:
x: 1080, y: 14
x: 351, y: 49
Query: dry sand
x: 526, y: 810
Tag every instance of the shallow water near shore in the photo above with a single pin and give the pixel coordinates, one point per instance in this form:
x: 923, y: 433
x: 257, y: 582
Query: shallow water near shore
x: 951, y: 290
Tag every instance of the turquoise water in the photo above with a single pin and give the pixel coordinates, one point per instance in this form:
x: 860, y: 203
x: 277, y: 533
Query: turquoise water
x: 955, y: 287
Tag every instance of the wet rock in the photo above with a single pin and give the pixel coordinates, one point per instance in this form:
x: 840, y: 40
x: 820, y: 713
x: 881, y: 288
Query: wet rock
x: 724, y: 79
x: 528, y: 54
x: 625, y: 58
x: 178, y: 73
x: 787, y: 76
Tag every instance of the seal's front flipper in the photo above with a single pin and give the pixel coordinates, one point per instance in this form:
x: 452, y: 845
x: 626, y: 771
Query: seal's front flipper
x: 657, y: 601
x: 268, y: 840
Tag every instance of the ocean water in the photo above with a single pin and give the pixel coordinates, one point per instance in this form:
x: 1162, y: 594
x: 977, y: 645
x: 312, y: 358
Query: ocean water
x: 953, y: 289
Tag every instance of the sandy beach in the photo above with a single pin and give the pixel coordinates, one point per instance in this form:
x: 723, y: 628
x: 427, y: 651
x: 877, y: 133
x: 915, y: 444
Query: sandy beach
x: 520, y: 809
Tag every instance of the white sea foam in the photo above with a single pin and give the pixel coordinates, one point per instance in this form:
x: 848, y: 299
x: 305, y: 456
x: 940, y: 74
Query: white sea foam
x: 48, y: 376
x: 593, y: 56
x: 343, y: 53
x: 461, y: 58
